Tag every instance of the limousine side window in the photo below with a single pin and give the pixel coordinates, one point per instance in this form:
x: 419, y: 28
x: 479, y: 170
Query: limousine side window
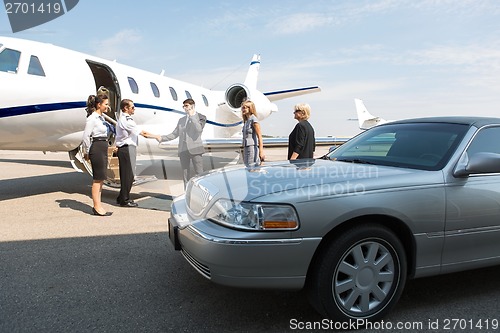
x: 9, y: 60
x: 35, y: 67
x: 485, y: 141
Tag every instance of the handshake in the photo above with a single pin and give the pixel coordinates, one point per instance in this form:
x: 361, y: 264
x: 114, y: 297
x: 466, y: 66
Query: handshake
x: 151, y: 136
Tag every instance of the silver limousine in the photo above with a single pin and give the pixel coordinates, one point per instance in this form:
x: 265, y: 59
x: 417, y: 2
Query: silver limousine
x: 402, y: 200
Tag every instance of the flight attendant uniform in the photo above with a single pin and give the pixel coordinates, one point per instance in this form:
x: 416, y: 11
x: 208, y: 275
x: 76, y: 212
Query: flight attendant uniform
x: 95, y: 144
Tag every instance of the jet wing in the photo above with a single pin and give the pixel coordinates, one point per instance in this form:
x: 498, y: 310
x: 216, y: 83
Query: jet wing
x: 234, y: 144
x: 269, y: 142
x: 282, y: 94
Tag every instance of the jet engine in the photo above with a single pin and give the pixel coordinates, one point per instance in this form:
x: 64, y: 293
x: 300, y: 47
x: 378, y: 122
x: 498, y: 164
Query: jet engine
x: 238, y: 93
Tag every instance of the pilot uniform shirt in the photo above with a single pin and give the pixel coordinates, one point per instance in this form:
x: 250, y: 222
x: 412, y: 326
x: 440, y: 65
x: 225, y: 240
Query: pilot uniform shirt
x: 127, y: 131
x: 95, y: 127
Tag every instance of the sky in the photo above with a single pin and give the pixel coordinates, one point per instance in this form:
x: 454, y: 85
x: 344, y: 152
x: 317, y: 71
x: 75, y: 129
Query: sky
x: 404, y: 59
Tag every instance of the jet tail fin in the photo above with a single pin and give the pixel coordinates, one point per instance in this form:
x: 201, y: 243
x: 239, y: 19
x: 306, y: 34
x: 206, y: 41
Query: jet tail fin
x: 365, y: 119
x: 253, y: 72
x: 253, y: 75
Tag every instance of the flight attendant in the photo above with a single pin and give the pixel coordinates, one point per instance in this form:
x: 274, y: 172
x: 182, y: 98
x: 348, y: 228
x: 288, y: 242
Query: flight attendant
x: 95, y: 148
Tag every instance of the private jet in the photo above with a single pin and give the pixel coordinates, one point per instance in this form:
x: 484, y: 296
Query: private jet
x: 45, y: 88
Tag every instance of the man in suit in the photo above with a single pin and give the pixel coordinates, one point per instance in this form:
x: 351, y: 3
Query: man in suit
x: 188, y: 130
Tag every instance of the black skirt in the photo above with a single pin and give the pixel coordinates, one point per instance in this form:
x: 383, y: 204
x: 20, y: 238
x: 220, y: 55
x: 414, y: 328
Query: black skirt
x: 98, y: 155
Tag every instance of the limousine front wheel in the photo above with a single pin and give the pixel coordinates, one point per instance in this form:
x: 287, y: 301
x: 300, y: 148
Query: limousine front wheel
x: 360, y: 274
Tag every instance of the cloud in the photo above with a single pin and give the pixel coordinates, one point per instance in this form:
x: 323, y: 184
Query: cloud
x: 299, y: 23
x: 120, y: 46
x: 457, y: 55
x: 294, y: 22
x: 336, y: 15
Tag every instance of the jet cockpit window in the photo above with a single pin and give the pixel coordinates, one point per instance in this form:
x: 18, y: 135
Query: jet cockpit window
x: 205, y: 100
x: 173, y: 93
x: 155, y: 89
x: 188, y: 94
x: 133, y: 85
x: 35, y: 67
x: 9, y: 60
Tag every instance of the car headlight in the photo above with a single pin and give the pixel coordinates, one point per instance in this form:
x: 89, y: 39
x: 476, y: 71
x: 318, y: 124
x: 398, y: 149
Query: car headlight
x: 253, y: 216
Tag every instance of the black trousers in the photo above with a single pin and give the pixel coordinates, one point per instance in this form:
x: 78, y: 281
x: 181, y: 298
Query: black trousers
x: 126, y: 172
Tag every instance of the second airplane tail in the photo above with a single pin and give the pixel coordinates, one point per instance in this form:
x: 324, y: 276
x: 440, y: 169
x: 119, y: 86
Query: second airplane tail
x: 365, y: 119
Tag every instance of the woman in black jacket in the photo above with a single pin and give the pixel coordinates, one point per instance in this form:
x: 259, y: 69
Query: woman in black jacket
x: 301, y: 142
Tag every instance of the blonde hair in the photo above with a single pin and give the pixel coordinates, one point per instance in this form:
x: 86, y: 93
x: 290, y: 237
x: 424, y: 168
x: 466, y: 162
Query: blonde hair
x: 305, y: 109
x: 103, y: 91
x: 251, y: 107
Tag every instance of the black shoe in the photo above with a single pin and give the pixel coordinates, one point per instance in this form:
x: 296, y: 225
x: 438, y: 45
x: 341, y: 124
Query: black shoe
x: 95, y: 212
x: 129, y: 204
x: 118, y: 200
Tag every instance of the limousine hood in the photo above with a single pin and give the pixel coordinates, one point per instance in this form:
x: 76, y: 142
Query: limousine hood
x: 302, y: 177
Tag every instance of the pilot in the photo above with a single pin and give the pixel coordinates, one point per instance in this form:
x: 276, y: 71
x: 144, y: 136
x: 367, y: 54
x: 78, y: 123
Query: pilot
x: 127, y: 134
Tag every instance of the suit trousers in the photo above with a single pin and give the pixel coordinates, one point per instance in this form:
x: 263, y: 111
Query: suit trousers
x: 186, y: 158
x: 126, y: 156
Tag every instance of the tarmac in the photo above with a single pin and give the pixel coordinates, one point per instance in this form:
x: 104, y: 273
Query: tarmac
x: 43, y: 197
x: 65, y: 270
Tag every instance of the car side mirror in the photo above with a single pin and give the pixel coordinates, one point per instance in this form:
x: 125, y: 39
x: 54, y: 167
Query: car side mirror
x: 478, y: 163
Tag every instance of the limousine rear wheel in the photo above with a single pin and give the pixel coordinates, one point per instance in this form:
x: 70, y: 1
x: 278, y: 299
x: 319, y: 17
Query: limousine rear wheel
x: 359, y: 275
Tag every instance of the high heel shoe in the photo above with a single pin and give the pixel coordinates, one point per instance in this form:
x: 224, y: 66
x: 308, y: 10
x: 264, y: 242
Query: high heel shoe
x: 95, y: 212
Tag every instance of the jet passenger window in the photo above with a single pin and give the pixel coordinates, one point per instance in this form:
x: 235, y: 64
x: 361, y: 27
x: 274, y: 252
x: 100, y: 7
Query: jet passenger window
x: 205, y: 100
x: 133, y: 85
x: 35, y: 67
x: 188, y: 95
x: 155, y: 89
x: 173, y: 93
x: 9, y: 60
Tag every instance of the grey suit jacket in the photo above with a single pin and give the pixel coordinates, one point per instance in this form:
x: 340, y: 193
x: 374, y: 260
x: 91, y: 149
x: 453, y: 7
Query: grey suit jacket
x: 189, y: 134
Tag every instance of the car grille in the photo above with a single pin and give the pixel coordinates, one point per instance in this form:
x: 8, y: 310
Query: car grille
x: 204, y: 270
x: 198, y: 196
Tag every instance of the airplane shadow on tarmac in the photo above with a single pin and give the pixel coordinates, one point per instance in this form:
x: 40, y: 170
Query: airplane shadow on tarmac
x: 75, y: 182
